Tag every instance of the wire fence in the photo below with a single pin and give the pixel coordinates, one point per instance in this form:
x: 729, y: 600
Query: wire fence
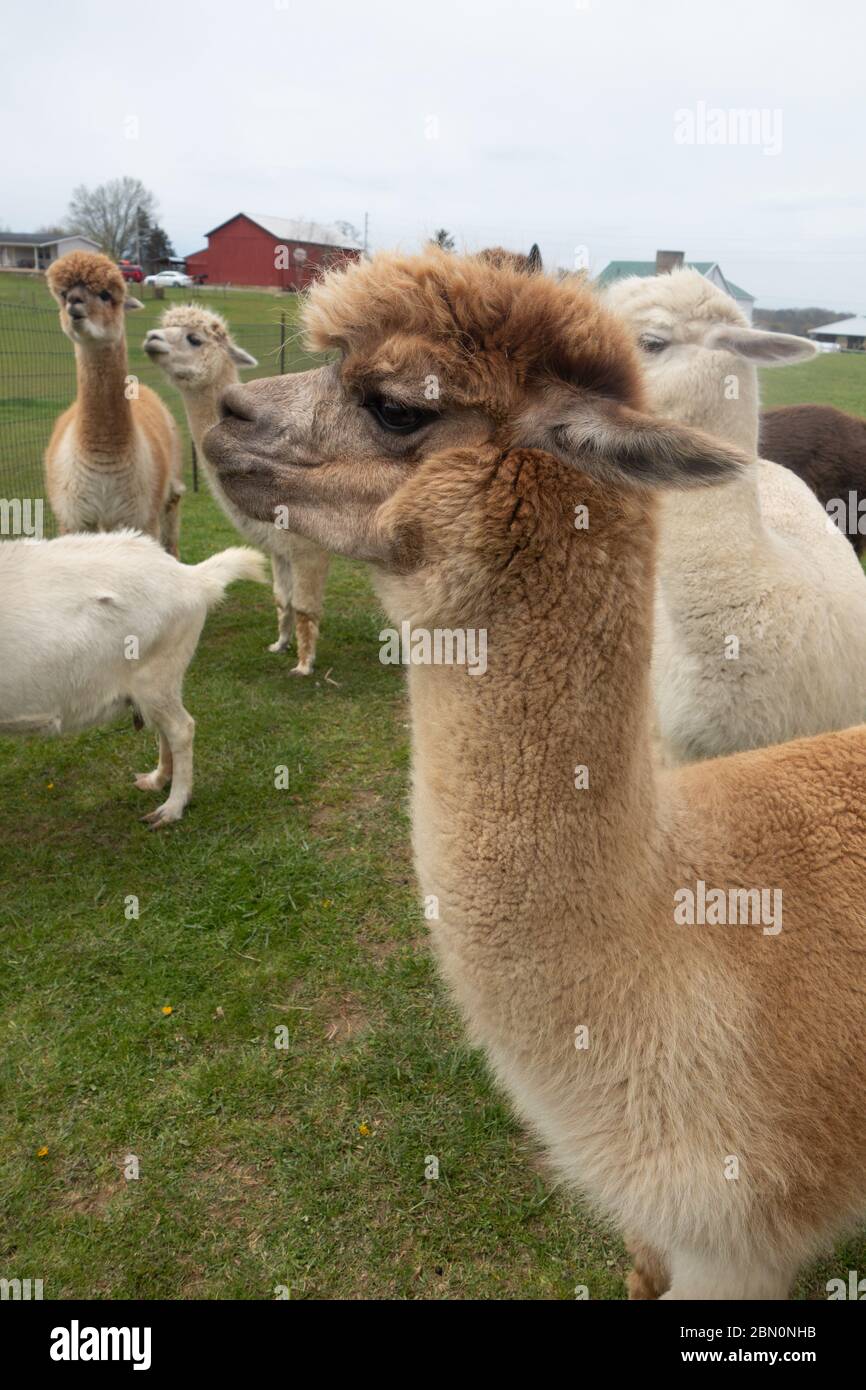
x: 37, y: 383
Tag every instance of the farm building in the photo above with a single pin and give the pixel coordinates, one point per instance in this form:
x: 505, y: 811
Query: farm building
x: 35, y: 251
x: 666, y: 261
x: 849, y: 334
x: 285, y: 252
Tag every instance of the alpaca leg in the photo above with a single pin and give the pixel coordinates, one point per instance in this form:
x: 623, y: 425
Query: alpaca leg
x: 171, y: 522
x: 281, y: 568
x: 161, y: 775
x: 650, y: 1276
x: 309, y: 577
x: 177, y: 727
x: 705, y: 1277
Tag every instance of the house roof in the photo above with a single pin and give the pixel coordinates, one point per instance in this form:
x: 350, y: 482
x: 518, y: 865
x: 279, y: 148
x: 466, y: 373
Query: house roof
x: 295, y: 229
x: 844, y: 328
x: 618, y: 270
x: 39, y: 239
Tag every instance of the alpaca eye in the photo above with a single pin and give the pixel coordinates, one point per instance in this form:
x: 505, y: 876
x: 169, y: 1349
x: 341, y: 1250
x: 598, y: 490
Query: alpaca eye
x: 104, y: 295
x: 193, y: 340
x: 397, y: 419
x: 651, y: 343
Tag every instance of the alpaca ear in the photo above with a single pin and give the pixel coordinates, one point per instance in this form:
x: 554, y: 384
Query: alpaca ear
x: 616, y: 444
x: 759, y: 345
x: 130, y: 303
x: 536, y: 264
x: 243, y: 359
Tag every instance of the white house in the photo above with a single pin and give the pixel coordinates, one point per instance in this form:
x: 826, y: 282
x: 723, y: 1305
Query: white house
x: 32, y: 251
x: 846, y: 333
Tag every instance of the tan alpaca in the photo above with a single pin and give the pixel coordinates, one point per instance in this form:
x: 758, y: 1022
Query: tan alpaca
x: 114, y: 457
x: 702, y: 1084
x: 195, y: 350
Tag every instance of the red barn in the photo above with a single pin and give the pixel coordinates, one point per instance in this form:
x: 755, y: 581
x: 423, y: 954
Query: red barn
x: 280, y: 251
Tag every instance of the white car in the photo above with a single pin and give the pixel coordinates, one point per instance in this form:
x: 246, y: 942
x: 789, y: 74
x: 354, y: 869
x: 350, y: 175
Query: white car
x: 168, y: 278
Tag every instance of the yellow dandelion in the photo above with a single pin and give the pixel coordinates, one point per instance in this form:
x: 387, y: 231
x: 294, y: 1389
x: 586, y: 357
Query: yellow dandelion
x: 363, y: 1129
x: 50, y: 786
x: 43, y: 1152
x: 167, y: 1009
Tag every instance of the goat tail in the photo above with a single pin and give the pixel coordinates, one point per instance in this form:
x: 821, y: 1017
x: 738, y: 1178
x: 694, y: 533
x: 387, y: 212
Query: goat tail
x: 220, y: 570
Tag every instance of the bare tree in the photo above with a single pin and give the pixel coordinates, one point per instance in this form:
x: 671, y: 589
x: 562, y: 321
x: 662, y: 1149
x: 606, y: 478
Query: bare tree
x: 109, y: 214
x: 349, y: 231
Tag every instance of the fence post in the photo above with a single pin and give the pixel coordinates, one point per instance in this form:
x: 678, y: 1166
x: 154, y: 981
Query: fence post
x: 282, y: 344
x: 194, y: 468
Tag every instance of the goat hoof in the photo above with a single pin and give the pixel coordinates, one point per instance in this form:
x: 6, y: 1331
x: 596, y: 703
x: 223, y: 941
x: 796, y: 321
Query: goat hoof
x: 149, y: 782
x: 161, y: 817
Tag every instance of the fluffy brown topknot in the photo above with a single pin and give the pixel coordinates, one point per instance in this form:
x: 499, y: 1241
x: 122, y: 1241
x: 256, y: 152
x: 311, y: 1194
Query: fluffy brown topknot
x: 481, y: 325
x: 89, y: 268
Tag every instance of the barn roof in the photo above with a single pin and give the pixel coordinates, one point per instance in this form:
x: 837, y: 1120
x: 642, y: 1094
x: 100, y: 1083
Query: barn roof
x: 844, y: 328
x: 295, y: 229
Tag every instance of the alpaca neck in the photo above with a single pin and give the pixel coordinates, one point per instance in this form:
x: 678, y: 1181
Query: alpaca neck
x: 529, y: 869
x: 202, y: 407
x: 104, y: 417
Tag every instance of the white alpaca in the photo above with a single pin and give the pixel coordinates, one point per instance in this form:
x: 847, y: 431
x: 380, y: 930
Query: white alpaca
x: 761, y: 603
x: 92, y: 624
x: 195, y: 350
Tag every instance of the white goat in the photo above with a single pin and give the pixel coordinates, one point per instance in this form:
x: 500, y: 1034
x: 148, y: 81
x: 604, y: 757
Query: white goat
x: 760, y: 632
x: 92, y: 623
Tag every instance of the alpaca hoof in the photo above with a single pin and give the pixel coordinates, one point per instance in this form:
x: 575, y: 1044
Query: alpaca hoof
x: 278, y: 646
x: 302, y: 669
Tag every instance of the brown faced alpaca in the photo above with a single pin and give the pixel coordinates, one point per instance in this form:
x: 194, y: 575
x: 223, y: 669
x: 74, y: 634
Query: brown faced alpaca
x: 700, y: 1083
x: 114, y: 456
x: 825, y: 447
x: 194, y: 348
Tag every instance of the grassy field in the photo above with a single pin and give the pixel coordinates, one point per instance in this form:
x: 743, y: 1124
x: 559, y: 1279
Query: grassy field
x: 37, y: 364
x: 301, y: 1166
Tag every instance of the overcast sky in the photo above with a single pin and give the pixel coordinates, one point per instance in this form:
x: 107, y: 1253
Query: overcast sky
x: 576, y: 123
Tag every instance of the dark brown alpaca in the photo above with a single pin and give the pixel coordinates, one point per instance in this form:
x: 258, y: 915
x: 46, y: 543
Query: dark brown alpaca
x: 825, y: 447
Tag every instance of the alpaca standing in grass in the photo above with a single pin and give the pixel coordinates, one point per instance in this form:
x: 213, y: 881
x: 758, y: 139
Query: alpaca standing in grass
x: 195, y: 350
x: 114, y: 456
x: 761, y: 602
x: 698, y: 1082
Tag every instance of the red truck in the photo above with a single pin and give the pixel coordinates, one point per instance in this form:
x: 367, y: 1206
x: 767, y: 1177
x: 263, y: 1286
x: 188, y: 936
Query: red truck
x: 130, y: 271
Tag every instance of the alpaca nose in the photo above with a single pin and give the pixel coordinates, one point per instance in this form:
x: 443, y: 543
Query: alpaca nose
x: 236, y: 403
x: 76, y: 306
x: 155, y: 342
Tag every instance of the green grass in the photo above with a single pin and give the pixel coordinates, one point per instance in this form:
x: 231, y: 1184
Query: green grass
x: 831, y: 378
x: 259, y: 1167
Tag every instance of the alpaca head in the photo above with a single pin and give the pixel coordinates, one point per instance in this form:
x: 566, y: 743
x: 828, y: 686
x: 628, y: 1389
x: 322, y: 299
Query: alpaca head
x: 92, y: 296
x: 194, y: 348
x: 698, y: 352
x: 448, y: 370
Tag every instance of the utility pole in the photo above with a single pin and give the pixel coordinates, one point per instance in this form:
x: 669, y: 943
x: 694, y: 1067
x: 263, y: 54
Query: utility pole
x: 366, y: 229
